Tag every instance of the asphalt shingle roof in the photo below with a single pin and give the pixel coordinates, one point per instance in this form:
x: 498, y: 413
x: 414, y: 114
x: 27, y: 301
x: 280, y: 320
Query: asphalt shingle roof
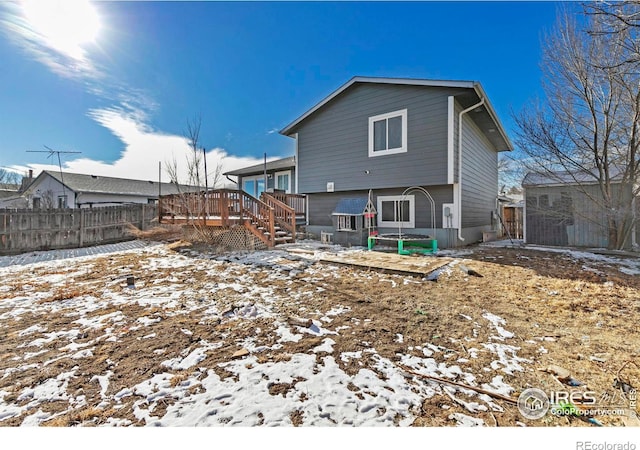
x: 284, y: 163
x: 101, y: 184
x: 351, y: 206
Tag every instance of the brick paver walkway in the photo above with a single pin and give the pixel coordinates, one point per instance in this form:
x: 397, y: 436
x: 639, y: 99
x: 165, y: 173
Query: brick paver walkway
x: 51, y: 255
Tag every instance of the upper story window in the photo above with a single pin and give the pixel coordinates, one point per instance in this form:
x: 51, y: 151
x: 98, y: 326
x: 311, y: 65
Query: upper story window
x: 388, y: 133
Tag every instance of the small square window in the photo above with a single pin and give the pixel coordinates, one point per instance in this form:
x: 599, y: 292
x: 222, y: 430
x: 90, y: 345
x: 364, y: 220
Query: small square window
x: 388, y: 133
x: 396, y: 211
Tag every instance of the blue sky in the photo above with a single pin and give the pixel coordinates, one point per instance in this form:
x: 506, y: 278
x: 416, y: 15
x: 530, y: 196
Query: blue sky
x: 123, y: 96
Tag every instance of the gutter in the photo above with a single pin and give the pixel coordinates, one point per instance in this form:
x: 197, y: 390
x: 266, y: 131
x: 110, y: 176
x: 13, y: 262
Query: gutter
x: 459, y: 199
x: 233, y: 181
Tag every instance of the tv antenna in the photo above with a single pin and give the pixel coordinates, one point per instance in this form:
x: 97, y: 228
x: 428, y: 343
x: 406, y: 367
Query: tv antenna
x: 52, y: 152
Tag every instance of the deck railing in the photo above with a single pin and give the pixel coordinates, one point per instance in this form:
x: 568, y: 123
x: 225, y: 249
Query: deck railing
x: 284, y: 215
x: 226, y: 206
x: 296, y: 201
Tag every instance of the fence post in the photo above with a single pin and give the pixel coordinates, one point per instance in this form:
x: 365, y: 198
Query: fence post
x: 82, y: 227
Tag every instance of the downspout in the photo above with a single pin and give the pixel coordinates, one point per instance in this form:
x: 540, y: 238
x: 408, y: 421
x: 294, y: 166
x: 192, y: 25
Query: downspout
x: 463, y: 112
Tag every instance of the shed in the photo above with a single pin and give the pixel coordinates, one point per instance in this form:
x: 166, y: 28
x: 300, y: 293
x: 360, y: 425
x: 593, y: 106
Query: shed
x: 559, y: 211
x: 354, y: 220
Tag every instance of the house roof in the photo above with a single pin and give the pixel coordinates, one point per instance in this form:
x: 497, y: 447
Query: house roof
x: 558, y: 178
x: 486, y: 121
x: 351, y: 206
x: 5, y: 194
x: 284, y: 163
x: 9, y: 190
x: 109, y: 185
x: 9, y: 187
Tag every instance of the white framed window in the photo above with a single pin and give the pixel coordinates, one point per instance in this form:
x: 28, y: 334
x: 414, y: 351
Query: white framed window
x: 388, y: 133
x: 283, y: 181
x: 346, y: 223
x: 397, y: 210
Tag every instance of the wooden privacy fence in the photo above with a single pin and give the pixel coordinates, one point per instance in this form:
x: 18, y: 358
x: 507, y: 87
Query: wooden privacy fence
x: 24, y: 230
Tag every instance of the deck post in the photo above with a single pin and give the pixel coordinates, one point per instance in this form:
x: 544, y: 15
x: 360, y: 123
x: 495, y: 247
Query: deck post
x: 224, y: 208
x: 272, y: 227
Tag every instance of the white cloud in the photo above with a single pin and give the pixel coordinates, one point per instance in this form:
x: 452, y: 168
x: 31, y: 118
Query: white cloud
x: 144, y: 148
x: 54, y: 46
x: 59, y: 49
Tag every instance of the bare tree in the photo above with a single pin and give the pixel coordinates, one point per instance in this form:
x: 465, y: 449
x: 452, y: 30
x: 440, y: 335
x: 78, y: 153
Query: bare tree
x: 195, y: 174
x: 620, y: 20
x: 9, y: 177
x: 46, y: 200
x: 510, y: 173
x: 586, y: 129
x: 194, y: 183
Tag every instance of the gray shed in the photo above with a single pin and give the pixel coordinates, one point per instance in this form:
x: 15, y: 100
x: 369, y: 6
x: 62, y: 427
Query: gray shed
x: 560, y: 212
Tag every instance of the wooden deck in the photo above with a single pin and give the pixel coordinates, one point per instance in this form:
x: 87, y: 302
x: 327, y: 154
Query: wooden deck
x: 420, y: 266
x: 273, y: 221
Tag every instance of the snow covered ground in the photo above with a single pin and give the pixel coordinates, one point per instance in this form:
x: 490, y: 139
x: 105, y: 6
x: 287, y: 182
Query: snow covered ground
x: 627, y: 263
x: 275, y: 338
x: 64, y: 340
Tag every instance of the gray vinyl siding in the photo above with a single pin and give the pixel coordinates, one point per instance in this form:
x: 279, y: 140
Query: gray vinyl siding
x: 333, y: 142
x: 479, y: 176
x: 321, y: 205
x: 271, y: 178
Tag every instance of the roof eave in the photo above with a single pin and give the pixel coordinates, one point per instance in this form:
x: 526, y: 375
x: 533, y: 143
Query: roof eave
x: 287, y: 131
x: 480, y: 91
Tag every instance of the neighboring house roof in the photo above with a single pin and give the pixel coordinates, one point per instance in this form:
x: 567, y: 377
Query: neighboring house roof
x: 351, y: 206
x: 109, y: 185
x: 8, y: 194
x: 559, y: 178
x: 284, y: 163
x: 9, y: 187
x: 8, y: 198
x: 500, y: 140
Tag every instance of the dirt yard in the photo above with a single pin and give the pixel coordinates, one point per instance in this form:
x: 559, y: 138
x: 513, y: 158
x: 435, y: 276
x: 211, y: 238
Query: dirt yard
x: 80, y: 345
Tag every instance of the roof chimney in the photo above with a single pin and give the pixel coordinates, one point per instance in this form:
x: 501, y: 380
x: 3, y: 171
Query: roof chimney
x: 30, y: 173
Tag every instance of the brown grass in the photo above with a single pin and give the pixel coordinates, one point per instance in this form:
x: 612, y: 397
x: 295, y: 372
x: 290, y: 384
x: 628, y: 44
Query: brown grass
x: 164, y: 232
x: 547, y: 300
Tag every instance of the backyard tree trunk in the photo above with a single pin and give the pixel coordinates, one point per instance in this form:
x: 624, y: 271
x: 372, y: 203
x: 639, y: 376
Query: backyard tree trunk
x: 195, y: 179
x: 586, y: 128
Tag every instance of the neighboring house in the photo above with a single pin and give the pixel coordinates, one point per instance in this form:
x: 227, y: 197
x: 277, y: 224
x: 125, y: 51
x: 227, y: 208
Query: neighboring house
x: 10, y: 195
x: 53, y: 189
x: 390, y: 134
x: 565, y: 209
x: 280, y: 176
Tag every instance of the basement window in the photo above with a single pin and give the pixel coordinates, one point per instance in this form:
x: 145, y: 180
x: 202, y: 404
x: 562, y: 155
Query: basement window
x: 396, y: 210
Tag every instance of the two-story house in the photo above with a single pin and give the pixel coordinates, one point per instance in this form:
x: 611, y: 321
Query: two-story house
x: 377, y: 137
